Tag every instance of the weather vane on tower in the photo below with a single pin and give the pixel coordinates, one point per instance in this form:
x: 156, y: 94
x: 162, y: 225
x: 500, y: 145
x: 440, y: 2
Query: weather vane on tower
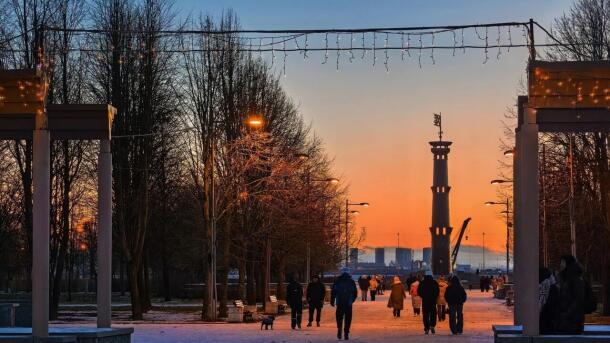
x: 438, y: 122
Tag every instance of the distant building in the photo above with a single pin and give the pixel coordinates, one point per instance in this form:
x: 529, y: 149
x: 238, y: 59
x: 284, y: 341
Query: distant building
x: 427, y: 255
x: 380, y: 256
x: 404, y: 257
x: 353, y: 258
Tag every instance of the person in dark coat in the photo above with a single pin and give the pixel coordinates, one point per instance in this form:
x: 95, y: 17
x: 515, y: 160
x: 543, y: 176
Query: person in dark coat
x: 548, y: 295
x: 294, y: 298
x: 570, y: 314
x: 363, y: 283
x: 316, y: 291
x: 428, y: 290
x: 343, y: 295
x: 455, y: 295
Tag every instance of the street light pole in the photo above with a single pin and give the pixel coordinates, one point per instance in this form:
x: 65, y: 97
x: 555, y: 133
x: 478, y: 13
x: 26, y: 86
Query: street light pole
x: 507, y: 237
x: 347, y: 212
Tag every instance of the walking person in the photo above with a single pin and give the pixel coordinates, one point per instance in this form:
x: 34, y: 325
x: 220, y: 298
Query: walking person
x: 570, y: 314
x: 363, y: 283
x: 415, y: 298
x: 441, y: 304
x: 455, y: 295
x: 316, y: 291
x: 397, y: 297
x: 294, y: 298
x: 373, y: 287
x: 428, y: 291
x: 343, y: 295
x: 548, y: 294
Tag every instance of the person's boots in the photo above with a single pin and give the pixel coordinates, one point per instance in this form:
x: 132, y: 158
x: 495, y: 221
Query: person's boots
x: 293, y: 323
x: 309, y: 324
x: 339, y: 334
x: 432, y: 330
x: 299, y: 321
x: 346, y: 335
x: 318, y: 324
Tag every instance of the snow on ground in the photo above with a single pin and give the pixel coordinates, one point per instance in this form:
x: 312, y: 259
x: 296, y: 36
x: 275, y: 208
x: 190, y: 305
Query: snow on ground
x: 373, y: 322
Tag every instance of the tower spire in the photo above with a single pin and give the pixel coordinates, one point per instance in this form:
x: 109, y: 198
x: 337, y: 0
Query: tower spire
x: 438, y: 121
x: 440, y: 229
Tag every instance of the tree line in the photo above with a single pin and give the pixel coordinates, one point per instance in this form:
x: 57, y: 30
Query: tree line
x: 186, y: 162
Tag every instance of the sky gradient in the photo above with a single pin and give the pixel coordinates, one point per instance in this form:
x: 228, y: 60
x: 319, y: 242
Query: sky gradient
x: 377, y: 125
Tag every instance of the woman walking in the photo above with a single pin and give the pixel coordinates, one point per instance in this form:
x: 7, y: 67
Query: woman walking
x: 455, y: 295
x: 397, y: 297
x: 373, y: 287
x: 441, y: 304
x: 415, y: 298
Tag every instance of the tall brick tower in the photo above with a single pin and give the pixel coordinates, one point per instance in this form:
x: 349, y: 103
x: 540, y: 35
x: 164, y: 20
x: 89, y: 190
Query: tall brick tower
x: 441, y: 228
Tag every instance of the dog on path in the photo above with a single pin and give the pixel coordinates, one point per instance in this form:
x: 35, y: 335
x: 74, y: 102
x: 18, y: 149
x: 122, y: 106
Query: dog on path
x: 267, y: 322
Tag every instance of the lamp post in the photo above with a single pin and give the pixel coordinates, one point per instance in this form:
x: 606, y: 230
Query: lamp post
x: 507, y: 212
x: 347, y: 213
x: 309, y: 180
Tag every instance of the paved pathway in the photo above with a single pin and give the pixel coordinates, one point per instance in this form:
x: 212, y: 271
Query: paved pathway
x: 373, y: 322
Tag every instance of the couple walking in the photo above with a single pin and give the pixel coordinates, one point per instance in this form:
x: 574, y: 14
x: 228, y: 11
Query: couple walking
x: 427, y: 295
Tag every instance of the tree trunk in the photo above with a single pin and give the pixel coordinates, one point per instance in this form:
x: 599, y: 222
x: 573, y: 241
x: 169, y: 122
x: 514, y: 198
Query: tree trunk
x: 241, y: 286
x: 136, y: 305
x: 223, y: 270
x: 281, y: 276
x: 251, y: 282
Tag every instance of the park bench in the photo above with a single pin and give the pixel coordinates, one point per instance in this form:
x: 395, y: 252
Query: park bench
x: 271, y: 305
x: 236, y: 313
x: 513, y: 334
x: 10, y: 310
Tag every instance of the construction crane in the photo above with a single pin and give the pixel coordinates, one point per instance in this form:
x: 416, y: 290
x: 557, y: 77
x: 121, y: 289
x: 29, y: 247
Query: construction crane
x: 456, y: 248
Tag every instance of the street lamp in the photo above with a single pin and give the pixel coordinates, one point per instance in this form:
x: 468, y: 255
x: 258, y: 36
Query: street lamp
x: 330, y: 180
x: 255, y: 122
x: 509, y: 153
x: 347, y: 213
x: 507, y: 212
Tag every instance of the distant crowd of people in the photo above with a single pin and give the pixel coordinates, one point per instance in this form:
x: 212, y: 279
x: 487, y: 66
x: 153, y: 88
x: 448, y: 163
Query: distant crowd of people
x: 564, y: 298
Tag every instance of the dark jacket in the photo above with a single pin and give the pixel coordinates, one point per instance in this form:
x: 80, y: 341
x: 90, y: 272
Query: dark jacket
x: 294, y: 294
x: 316, y: 293
x: 570, y: 315
x: 363, y: 283
x: 344, y: 291
x: 455, y: 293
x: 428, y: 290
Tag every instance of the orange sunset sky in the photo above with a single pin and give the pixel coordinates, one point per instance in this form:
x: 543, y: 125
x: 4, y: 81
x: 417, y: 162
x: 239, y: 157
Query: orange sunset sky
x: 377, y: 125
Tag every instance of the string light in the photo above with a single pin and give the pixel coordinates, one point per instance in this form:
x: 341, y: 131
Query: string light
x: 338, y: 52
x: 432, y: 50
x: 454, y: 43
x: 402, y: 44
x: 272, y: 51
x: 498, y: 44
x: 326, y: 49
x: 510, y: 40
x: 363, y: 48
x: 374, y: 48
x: 486, y: 47
x: 463, y: 46
x: 421, y: 45
x: 351, y: 48
x: 387, y: 58
x: 285, y: 55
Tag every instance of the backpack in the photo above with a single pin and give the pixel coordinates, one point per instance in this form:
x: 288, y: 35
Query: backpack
x: 590, y: 304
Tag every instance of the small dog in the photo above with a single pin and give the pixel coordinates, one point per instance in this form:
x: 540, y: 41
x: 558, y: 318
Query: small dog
x: 267, y: 322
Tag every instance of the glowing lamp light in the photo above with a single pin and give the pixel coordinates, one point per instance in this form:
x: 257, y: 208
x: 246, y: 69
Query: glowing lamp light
x: 509, y: 153
x: 255, y: 122
x: 333, y: 180
x: 489, y: 203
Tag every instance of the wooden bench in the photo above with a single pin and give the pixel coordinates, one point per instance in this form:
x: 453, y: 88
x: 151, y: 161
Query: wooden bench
x: 271, y: 306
